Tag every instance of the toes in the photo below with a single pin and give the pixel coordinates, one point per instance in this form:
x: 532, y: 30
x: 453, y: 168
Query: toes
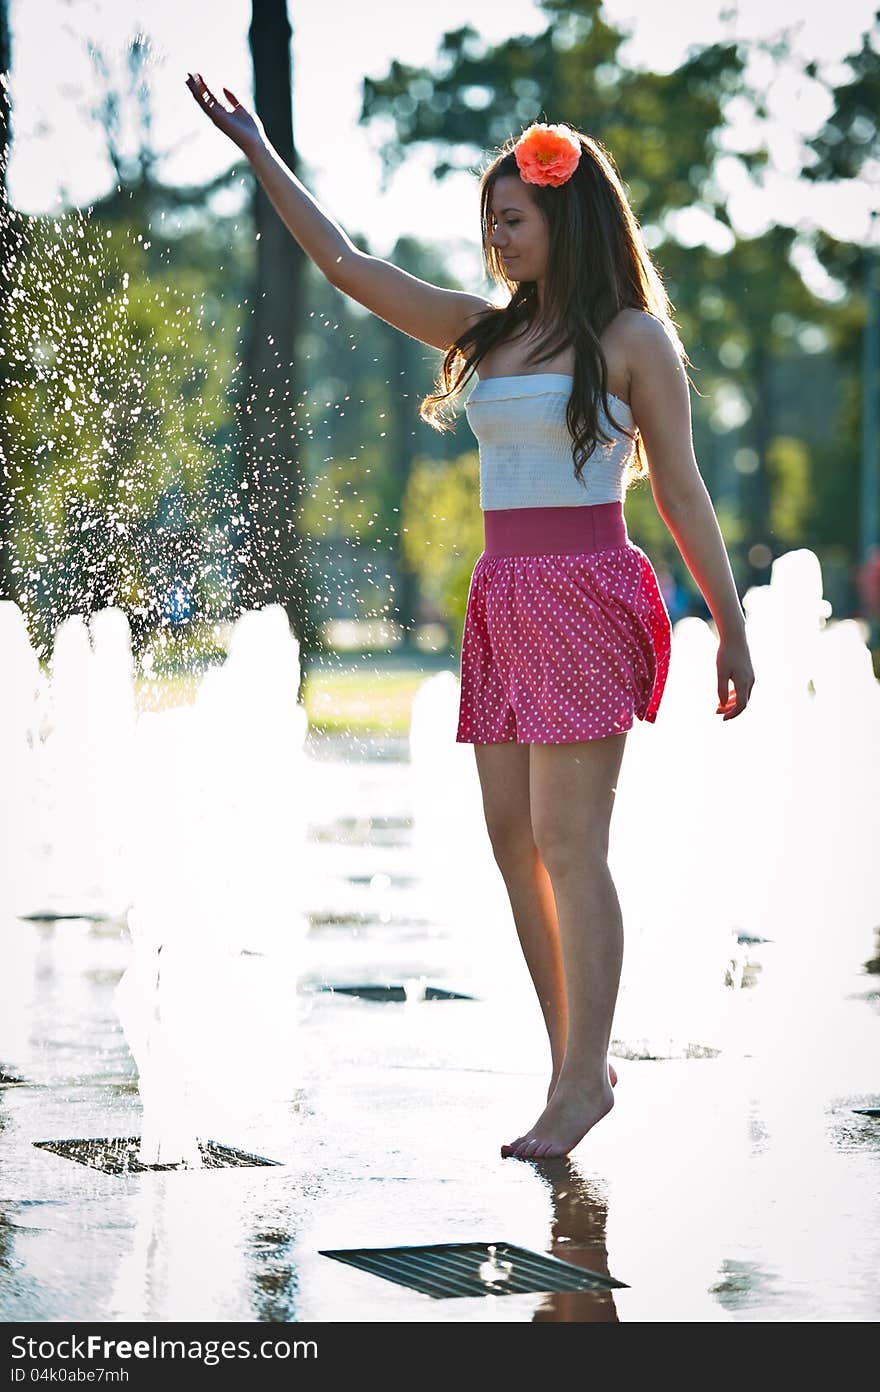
x: 528, y: 1147
x: 533, y: 1149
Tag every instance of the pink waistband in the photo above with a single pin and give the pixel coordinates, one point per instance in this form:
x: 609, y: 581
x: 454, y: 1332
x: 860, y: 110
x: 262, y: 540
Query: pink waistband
x: 545, y: 530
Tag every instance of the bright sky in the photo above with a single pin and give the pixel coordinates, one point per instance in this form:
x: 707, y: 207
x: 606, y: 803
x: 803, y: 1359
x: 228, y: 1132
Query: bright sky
x: 59, y: 150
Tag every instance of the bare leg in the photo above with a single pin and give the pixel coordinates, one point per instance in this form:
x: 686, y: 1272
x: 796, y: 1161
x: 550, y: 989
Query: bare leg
x: 504, y: 771
x: 572, y: 795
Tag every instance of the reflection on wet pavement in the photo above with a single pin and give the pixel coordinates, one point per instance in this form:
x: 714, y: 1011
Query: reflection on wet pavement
x: 736, y: 1186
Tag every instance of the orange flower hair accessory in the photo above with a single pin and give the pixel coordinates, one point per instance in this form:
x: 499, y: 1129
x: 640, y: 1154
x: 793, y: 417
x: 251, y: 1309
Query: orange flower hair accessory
x: 547, y: 154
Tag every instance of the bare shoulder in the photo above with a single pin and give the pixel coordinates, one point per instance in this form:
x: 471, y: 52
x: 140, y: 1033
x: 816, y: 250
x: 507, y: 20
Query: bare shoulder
x: 643, y: 334
x: 653, y: 359
x: 660, y: 403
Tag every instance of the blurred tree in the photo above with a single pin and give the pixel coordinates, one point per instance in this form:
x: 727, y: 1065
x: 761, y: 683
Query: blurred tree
x: 119, y: 102
x: 847, y: 147
x: 411, y: 366
x: 115, y: 392
x: 359, y: 431
x: 743, y: 312
x: 663, y: 128
x: 443, y: 532
x: 848, y: 143
x: 271, y: 376
x: 788, y: 464
x: 399, y: 355
x: 121, y: 297
x: 174, y: 247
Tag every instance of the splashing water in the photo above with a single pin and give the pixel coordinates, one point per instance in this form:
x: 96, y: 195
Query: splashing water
x: 190, y: 821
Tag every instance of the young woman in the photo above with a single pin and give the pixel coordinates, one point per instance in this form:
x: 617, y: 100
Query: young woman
x: 567, y: 637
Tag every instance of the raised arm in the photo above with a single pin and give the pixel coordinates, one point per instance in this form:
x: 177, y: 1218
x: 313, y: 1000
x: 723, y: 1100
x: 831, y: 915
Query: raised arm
x: 429, y: 313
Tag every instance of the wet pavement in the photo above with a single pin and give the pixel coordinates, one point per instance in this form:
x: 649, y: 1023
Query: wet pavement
x: 736, y: 1187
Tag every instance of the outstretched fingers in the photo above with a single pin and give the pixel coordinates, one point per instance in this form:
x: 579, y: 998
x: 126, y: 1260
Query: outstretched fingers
x: 202, y: 92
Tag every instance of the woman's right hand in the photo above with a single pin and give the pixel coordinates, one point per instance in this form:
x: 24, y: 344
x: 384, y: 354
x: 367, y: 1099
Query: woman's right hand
x: 243, y: 128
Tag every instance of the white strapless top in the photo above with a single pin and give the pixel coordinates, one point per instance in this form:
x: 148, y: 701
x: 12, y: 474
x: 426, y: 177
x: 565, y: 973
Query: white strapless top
x: 526, y: 449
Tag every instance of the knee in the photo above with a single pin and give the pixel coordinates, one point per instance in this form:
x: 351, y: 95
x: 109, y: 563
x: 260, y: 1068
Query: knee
x: 513, y: 844
x: 565, y: 848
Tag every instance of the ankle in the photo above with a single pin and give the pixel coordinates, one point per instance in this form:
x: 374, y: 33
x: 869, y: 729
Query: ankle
x: 584, y: 1083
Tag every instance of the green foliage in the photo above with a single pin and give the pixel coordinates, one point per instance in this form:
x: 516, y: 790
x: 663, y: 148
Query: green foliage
x: 660, y: 127
x: 345, y: 497
x: 644, y: 523
x: 851, y: 135
x: 788, y: 462
x: 443, y: 532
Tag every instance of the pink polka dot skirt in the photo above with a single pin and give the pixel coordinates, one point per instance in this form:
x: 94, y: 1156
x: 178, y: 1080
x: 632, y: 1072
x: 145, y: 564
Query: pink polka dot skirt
x: 562, y: 646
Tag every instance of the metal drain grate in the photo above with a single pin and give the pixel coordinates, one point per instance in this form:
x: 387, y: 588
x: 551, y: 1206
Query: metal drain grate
x: 118, y: 1155
x: 449, y: 1269
x: 86, y: 915
x: 393, y: 993
x: 867, y: 1111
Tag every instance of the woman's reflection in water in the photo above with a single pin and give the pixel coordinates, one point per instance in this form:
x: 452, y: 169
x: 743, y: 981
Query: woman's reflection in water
x: 580, y: 1212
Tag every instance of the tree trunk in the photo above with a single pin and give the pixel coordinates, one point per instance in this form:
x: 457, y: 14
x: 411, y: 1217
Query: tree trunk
x: 6, y: 247
x: 757, y: 496
x: 399, y: 465
x: 271, y: 464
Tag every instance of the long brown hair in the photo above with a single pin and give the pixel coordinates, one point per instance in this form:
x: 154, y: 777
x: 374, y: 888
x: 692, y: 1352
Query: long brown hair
x: 597, y: 265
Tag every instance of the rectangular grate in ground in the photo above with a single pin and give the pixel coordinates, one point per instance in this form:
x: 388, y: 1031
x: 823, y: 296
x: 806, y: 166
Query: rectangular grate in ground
x: 393, y: 992
x: 449, y: 1269
x: 118, y: 1155
x: 86, y: 916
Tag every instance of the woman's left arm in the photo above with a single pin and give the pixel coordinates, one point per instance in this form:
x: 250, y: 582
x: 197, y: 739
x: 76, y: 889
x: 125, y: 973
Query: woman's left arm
x: 660, y: 401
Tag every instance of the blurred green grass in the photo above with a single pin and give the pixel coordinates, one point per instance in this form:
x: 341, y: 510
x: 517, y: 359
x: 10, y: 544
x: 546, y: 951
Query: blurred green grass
x: 373, y: 701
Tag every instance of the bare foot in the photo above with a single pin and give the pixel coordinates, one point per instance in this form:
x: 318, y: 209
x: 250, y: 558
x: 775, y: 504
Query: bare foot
x: 612, y: 1074
x: 563, y: 1123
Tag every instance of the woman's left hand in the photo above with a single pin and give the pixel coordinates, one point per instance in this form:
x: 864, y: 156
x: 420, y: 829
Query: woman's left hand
x: 734, y: 665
